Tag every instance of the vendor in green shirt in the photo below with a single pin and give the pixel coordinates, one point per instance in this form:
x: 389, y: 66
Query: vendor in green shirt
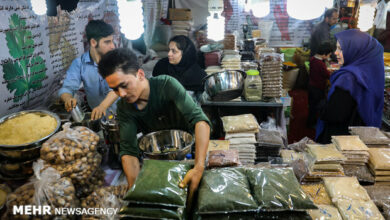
x: 150, y: 105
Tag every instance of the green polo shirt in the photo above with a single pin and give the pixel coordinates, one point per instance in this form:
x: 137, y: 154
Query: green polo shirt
x: 169, y: 107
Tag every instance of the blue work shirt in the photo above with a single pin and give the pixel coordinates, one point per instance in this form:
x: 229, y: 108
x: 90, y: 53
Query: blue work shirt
x: 84, y: 69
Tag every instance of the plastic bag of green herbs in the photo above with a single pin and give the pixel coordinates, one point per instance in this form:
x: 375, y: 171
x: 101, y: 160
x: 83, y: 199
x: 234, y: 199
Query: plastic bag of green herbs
x: 151, y: 212
x: 158, y: 184
x: 277, y: 189
x: 225, y: 191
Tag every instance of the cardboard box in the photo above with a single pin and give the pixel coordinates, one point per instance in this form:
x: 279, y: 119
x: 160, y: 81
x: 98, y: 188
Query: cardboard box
x: 180, y: 14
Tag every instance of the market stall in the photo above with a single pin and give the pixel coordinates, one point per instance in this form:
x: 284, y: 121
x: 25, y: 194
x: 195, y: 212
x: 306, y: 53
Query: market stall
x: 59, y: 164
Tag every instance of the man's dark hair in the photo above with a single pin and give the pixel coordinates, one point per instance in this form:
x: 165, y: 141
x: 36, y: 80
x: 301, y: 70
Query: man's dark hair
x: 98, y: 29
x: 118, y: 59
x: 329, y: 12
x: 325, y: 48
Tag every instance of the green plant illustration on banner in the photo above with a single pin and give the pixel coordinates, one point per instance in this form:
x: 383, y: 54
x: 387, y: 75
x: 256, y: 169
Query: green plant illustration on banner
x: 27, y: 72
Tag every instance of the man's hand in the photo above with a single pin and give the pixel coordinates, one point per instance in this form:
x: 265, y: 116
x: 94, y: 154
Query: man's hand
x: 192, y: 178
x: 98, y: 112
x: 70, y: 103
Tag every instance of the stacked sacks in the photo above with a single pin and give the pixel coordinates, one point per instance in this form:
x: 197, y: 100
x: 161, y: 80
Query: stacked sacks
x: 269, y: 143
x: 379, y: 164
x: 353, y: 149
x: 251, y: 193
x: 371, y: 136
x: 181, y: 28
x: 73, y: 153
x: 240, y: 131
x: 156, y: 192
x: 327, y: 160
x: 229, y: 42
x: 231, y: 62
x: 350, y: 198
x: 272, y: 76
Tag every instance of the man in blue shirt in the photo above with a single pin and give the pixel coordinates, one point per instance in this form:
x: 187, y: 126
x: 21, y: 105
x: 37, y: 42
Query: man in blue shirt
x: 84, y: 70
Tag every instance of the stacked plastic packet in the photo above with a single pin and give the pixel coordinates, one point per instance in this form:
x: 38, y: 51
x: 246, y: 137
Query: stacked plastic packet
x: 231, y: 62
x: 213, y: 69
x: 271, y: 69
x: 240, y: 131
x: 156, y: 193
x: 351, y: 198
x: 251, y: 193
x: 181, y: 28
x: 269, y: 143
x: 259, y: 50
x: 371, y: 136
x: 229, y: 42
x: 379, y: 165
x: 353, y: 149
x: 327, y: 160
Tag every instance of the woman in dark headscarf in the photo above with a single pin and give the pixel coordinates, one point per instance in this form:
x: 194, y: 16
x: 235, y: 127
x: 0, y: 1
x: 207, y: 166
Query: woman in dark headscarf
x: 356, y: 94
x: 181, y: 63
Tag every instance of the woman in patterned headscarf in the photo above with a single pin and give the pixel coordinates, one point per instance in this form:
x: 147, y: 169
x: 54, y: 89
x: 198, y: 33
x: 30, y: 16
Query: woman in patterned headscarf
x: 356, y: 94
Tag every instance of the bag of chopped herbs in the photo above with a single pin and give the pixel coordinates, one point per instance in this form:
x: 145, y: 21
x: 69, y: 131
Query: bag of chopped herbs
x: 277, y: 189
x: 150, y: 212
x: 225, y: 190
x: 158, y: 184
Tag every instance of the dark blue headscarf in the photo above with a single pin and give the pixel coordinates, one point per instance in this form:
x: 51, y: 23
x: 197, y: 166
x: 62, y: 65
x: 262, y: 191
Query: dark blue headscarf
x: 362, y: 75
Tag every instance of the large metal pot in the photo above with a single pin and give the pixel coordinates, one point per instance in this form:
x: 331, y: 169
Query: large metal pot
x: 17, y: 169
x: 166, y: 144
x: 225, y: 85
x: 27, y: 151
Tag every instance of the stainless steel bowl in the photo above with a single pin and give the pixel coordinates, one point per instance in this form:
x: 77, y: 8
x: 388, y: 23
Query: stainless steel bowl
x: 17, y: 169
x: 225, y: 85
x: 30, y: 150
x: 166, y: 144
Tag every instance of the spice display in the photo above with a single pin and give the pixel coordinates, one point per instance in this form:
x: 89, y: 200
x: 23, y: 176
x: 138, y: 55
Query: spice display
x: 277, y: 189
x: 158, y: 184
x: 26, y: 128
x: 325, y: 212
x: 225, y: 190
x: 370, y: 135
x: 317, y: 193
x: 345, y: 188
x: 223, y: 158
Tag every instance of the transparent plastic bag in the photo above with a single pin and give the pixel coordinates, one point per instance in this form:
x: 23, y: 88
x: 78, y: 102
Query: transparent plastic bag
x: 325, y: 153
x: 225, y: 190
x: 277, y: 189
x: 358, y: 209
x: 370, y: 135
x: 87, y: 186
x: 158, y: 184
x: 223, y: 158
x: 141, y: 212
x: 380, y: 158
x: 240, y: 123
x: 105, y: 197
x: 345, y: 188
x: 273, y: 58
x: 317, y: 193
x: 325, y: 212
x: 69, y: 145
x: 47, y: 189
x: 361, y: 172
x: 271, y: 136
x: 349, y: 143
x: 300, y: 146
x: 289, y: 156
